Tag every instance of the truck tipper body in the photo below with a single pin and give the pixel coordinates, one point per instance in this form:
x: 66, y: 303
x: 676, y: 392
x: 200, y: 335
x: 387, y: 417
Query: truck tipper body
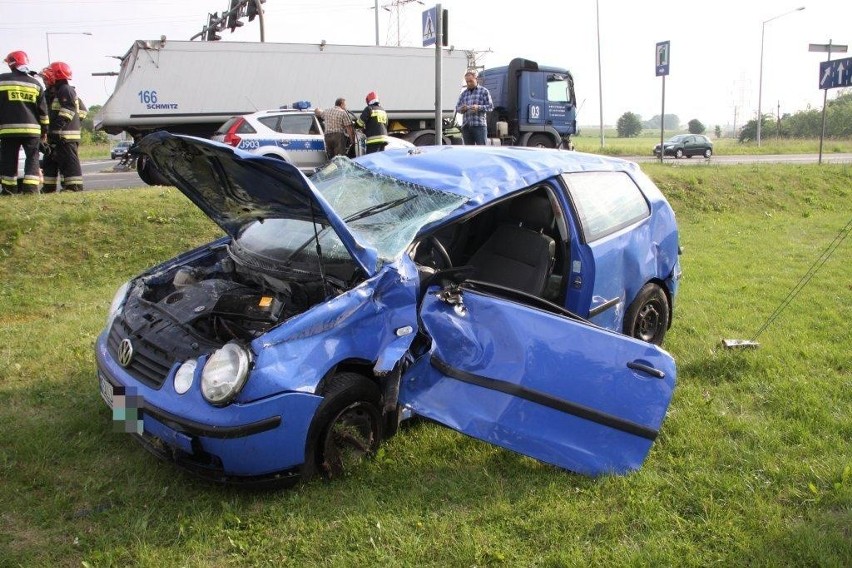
x: 193, y: 87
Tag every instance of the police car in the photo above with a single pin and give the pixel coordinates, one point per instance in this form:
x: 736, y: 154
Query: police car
x: 291, y: 133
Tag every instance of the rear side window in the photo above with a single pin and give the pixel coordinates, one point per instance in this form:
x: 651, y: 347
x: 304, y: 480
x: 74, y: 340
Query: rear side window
x: 297, y: 124
x: 605, y: 202
x: 271, y: 122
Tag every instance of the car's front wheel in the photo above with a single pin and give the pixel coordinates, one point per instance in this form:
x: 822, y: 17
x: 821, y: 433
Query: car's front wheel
x: 707, y: 153
x: 679, y: 153
x: 648, y: 316
x: 346, y: 428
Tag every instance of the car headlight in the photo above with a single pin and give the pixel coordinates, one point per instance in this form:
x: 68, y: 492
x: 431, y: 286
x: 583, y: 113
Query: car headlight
x: 224, y: 374
x: 117, y: 303
x: 185, y: 375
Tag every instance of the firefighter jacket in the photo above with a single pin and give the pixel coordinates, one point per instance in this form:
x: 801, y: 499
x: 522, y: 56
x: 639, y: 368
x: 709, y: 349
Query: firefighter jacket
x: 66, y: 112
x: 374, y: 121
x: 23, y: 109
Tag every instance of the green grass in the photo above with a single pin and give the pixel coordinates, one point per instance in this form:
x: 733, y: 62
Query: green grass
x: 589, y: 141
x: 753, y: 465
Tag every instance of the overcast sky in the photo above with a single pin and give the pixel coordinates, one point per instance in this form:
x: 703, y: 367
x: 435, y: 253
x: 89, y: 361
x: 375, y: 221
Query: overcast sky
x: 715, y: 46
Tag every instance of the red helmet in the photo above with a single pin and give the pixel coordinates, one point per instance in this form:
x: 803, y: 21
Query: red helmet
x: 17, y: 59
x: 61, y: 71
x: 372, y: 98
x: 48, y: 75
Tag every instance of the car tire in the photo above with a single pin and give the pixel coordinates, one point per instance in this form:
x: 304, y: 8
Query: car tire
x: 347, y: 426
x: 649, y: 315
x: 678, y: 153
x: 149, y: 173
x: 707, y: 153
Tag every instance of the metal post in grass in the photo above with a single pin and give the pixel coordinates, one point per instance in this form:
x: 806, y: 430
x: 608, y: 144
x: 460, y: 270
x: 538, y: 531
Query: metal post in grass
x: 661, y: 65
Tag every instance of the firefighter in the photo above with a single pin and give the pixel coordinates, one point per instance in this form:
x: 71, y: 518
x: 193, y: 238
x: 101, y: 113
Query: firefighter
x: 374, y: 121
x: 66, y: 114
x: 23, y: 123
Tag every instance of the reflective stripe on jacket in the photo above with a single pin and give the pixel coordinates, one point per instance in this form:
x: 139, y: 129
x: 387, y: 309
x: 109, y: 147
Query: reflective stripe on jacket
x: 23, y: 110
x: 374, y: 121
x: 66, y: 112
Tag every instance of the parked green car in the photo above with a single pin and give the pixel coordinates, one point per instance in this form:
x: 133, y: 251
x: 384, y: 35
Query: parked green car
x: 687, y: 145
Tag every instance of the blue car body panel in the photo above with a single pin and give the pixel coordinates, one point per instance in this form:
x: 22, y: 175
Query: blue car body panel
x: 515, y: 373
x: 540, y: 384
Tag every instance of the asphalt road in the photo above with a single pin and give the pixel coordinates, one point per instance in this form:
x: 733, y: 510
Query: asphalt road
x: 103, y: 174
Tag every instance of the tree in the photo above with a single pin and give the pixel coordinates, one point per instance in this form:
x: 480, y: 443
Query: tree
x: 629, y: 125
x: 672, y: 122
x: 718, y: 131
x: 695, y: 126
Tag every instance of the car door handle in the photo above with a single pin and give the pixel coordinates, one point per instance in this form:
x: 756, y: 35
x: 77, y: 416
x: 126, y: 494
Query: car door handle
x: 644, y: 368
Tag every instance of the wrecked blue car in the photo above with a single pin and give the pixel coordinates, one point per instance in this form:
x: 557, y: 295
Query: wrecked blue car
x: 515, y: 295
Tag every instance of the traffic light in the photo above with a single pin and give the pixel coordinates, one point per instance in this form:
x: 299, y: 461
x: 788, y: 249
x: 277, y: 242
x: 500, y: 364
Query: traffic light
x: 234, y: 15
x: 212, y: 27
x: 253, y: 8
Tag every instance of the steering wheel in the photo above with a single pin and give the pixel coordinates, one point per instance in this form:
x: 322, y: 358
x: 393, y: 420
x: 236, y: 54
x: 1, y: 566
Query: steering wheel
x: 437, y: 253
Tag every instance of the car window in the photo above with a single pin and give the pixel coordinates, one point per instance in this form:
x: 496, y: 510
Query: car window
x: 605, y: 202
x: 270, y: 122
x: 296, y: 124
x: 222, y: 130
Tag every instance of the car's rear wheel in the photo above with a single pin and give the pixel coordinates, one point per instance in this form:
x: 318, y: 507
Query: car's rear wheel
x: 679, y: 153
x: 346, y: 428
x: 707, y: 153
x: 648, y: 316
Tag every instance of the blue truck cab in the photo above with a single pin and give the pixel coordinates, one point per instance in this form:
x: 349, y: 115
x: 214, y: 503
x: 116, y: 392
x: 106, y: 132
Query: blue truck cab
x: 534, y: 105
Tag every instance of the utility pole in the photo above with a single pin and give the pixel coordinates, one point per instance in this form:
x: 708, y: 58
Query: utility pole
x: 395, y: 6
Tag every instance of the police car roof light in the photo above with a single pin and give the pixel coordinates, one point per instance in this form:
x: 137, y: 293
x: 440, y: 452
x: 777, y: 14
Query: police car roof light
x: 302, y: 105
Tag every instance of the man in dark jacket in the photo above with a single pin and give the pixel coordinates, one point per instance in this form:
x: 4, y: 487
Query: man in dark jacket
x: 23, y: 122
x: 66, y: 113
x: 374, y: 121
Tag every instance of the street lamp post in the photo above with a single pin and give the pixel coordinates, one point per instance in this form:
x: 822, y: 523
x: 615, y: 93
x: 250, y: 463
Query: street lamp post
x: 48, y: 34
x: 760, y: 79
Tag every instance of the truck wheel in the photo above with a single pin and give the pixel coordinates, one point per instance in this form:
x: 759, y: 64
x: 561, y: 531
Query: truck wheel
x: 425, y: 139
x: 541, y: 141
x: 149, y: 173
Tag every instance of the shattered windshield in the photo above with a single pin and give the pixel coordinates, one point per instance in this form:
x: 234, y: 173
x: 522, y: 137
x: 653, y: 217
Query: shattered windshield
x: 380, y: 211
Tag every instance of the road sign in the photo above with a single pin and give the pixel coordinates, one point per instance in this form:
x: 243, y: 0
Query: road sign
x: 837, y: 73
x: 661, y: 61
x: 430, y: 24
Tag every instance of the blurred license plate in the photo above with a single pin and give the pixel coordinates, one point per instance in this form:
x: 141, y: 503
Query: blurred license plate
x: 106, y: 390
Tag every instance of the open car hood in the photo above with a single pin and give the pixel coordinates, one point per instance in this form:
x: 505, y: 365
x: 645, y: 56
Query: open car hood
x: 235, y: 188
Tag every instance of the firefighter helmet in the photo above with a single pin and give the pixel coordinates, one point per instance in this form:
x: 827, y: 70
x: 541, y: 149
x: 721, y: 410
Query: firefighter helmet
x: 372, y: 98
x: 61, y: 71
x: 48, y: 75
x: 17, y: 59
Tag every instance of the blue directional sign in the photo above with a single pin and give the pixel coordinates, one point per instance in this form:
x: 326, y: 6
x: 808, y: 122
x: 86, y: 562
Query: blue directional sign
x: 661, y: 58
x: 837, y: 73
x: 430, y: 24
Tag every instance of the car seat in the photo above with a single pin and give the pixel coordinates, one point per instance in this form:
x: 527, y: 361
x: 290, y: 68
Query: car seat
x: 518, y: 254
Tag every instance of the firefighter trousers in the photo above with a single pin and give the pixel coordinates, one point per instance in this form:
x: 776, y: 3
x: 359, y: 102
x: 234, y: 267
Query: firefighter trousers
x: 9, y: 147
x: 65, y: 162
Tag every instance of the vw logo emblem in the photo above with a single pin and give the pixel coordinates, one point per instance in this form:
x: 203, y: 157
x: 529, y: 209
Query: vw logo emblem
x: 125, y: 353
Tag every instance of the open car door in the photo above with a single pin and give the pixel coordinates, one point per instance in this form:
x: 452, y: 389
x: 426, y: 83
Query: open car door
x: 526, y: 375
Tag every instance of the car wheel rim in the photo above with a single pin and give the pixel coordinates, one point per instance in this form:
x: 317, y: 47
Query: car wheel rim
x: 649, y: 321
x: 351, y: 438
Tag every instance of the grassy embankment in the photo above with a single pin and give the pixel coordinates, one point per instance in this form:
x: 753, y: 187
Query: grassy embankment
x: 753, y: 465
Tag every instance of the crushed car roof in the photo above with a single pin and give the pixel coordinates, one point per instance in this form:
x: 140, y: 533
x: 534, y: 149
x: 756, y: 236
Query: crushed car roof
x: 484, y: 173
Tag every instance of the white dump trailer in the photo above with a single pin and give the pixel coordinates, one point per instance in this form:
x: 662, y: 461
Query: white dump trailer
x: 192, y: 87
